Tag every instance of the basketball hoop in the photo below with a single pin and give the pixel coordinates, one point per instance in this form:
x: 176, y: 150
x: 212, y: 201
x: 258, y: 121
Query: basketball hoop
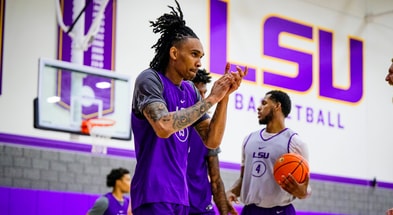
x: 100, y: 131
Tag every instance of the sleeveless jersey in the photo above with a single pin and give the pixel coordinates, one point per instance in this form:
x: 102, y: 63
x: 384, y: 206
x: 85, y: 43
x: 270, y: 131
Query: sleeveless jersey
x: 160, y: 172
x: 114, y: 206
x: 259, y: 156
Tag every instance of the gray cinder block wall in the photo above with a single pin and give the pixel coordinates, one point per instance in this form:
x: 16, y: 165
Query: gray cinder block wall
x: 48, y: 169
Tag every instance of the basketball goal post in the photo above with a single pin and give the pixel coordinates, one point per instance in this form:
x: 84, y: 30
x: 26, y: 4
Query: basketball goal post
x: 96, y: 128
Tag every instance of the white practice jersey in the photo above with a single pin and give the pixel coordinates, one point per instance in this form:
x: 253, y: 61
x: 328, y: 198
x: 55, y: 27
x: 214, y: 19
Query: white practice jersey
x: 259, y: 153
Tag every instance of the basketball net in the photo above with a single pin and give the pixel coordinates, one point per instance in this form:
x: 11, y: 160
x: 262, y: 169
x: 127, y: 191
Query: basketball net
x: 100, y: 132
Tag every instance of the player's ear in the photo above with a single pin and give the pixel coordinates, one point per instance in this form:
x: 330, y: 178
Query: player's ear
x: 173, y: 53
x: 278, y: 106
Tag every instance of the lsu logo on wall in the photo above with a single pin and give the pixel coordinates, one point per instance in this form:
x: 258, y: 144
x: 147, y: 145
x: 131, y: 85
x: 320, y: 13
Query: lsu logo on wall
x: 273, y: 28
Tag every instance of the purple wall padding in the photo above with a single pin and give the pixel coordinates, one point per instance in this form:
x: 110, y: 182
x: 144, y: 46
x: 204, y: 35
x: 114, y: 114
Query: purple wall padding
x: 16, y: 201
x: 4, y: 200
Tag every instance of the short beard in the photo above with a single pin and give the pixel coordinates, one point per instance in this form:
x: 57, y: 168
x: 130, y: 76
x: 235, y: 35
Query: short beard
x: 268, y: 118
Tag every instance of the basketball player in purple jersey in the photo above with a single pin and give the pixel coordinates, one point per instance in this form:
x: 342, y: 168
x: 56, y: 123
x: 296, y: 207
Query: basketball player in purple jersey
x: 114, y: 203
x: 203, y: 164
x: 165, y: 107
x: 256, y: 186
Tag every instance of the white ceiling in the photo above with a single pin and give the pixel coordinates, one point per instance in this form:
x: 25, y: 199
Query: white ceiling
x: 376, y: 11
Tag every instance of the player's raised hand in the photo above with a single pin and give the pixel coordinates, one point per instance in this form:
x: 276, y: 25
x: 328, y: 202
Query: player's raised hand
x: 221, y: 87
x: 238, y: 76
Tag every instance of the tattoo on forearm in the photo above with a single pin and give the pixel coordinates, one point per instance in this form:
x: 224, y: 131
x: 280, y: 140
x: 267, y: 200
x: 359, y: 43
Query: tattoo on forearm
x: 205, y: 106
x: 181, y: 119
x: 184, y: 118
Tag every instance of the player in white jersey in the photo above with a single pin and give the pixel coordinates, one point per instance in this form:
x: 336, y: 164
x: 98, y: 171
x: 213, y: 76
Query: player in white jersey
x: 256, y: 186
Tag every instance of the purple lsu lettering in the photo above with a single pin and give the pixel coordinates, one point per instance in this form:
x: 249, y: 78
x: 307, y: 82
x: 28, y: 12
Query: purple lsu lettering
x: 260, y: 155
x: 272, y: 28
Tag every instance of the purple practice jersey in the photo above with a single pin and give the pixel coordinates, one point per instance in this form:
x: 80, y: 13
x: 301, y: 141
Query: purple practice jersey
x: 160, y: 172
x: 197, y: 175
x: 114, y: 206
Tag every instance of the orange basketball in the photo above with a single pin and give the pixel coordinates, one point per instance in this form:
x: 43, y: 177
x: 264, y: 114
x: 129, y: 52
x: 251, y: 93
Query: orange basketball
x: 291, y: 163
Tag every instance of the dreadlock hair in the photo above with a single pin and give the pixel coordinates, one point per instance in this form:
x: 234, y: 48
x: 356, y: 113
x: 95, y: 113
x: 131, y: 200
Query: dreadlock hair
x: 202, y: 76
x: 283, y: 98
x: 173, y: 29
x: 115, y: 175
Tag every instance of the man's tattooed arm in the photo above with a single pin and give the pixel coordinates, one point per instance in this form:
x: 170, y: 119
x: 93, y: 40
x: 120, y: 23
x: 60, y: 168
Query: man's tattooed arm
x: 166, y: 123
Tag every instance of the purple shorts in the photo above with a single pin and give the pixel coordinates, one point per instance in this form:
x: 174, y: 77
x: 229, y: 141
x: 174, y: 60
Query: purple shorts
x: 161, y: 208
x: 204, y: 213
x: 278, y: 210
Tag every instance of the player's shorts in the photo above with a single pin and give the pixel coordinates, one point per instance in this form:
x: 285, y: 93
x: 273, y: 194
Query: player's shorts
x: 253, y: 209
x: 161, y: 208
x: 204, y: 213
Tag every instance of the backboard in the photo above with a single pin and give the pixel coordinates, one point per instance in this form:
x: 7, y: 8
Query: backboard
x: 70, y: 94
